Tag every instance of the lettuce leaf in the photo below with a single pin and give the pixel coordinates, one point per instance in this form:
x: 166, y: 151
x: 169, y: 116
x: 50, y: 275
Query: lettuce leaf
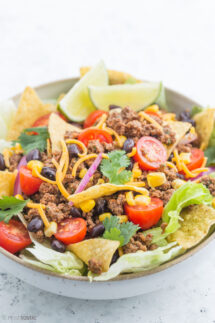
x: 4, y: 144
x: 188, y: 194
x: 140, y: 261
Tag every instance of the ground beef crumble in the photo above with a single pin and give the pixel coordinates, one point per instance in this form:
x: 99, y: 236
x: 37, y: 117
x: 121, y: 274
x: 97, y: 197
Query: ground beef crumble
x: 116, y: 205
x: 139, y: 242
x: 14, y: 161
x: 209, y: 182
x: 95, y: 266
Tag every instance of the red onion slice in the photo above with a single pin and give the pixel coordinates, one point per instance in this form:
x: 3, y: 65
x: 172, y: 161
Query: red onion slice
x: 17, y: 187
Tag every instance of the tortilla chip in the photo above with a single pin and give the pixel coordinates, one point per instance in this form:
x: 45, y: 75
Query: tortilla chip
x: 57, y: 128
x: 30, y: 108
x: 204, y: 126
x: 180, y: 129
x: 106, y: 189
x: 197, y: 222
x: 101, y: 250
x: 115, y: 77
x: 7, y: 180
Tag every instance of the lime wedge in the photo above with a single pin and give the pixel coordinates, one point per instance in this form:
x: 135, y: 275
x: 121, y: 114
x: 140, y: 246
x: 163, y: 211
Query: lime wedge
x: 76, y: 104
x: 136, y: 96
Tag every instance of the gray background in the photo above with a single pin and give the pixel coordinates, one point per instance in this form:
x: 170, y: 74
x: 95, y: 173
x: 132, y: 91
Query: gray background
x: 173, y: 41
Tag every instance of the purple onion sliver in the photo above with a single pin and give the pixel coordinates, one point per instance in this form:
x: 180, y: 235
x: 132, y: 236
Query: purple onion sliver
x: 85, y: 180
x: 17, y: 187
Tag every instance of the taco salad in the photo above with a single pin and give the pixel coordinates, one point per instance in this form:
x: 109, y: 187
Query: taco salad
x: 106, y: 179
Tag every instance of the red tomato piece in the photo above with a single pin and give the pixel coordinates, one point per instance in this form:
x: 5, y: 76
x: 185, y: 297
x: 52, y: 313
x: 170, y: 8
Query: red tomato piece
x: 13, y: 236
x: 93, y: 117
x: 197, y: 158
x: 145, y: 215
x: 93, y: 134
x: 150, y: 153
x: 71, y: 230
x: 29, y: 184
x: 44, y: 120
x: 152, y: 113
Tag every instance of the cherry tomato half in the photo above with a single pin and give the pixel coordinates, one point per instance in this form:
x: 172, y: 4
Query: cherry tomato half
x: 93, y: 134
x: 13, y: 236
x: 150, y: 153
x: 145, y: 215
x: 197, y: 158
x: 29, y: 184
x: 152, y: 113
x: 71, y: 230
x: 44, y: 120
x: 93, y: 117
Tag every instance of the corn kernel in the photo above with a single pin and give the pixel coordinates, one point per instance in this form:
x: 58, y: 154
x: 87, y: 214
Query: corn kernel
x: 19, y: 197
x: 122, y: 139
x: 87, y: 206
x: 103, y: 216
x: 152, y: 108
x: 130, y: 198
x: 35, y: 166
x: 213, y: 202
x: 156, y: 179
x: 168, y: 116
x: 122, y: 218
x: 17, y: 148
x: 51, y: 229
x: 185, y: 157
x: 82, y: 172
x: 100, y: 181
x: 120, y: 250
x: 177, y: 183
x: 136, y: 171
x: 192, y: 130
x: 142, y: 199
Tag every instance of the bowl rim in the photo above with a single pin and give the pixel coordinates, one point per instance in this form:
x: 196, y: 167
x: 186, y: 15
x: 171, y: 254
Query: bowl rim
x: 121, y: 277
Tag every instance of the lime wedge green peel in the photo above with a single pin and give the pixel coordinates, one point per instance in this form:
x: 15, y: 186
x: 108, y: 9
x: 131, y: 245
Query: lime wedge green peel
x: 76, y: 104
x: 136, y: 96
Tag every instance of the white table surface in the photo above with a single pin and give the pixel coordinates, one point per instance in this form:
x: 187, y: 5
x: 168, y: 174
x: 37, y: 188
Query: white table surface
x: 164, y: 40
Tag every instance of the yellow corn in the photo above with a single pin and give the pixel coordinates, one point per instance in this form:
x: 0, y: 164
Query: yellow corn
x: 130, y: 198
x: 122, y: 218
x: 19, y: 197
x: 177, y: 183
x: 185, y: 157
x: 17, y: 148
x: 142, y: 199
x: 152, y: 108
x: 122, y: 139
x: 82, y: 172
x: 133, y: 152
x: 213, y: 202
x: 192, y: 130
x: 51, y: 229
x: 35, y: 166
x: 103, y: 216
x: 120, y: 251
x: 136, y: 171
x: 156, y: 179
x: 87, y: 206
x: 100, y: 181
x: 168, y: 116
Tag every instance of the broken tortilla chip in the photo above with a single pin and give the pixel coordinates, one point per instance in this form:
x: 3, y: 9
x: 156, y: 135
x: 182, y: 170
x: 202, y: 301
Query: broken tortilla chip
x: 115, y: 77
x: 57, y: 128
x: 30, y: 108
x: 180, y: 129
x: 7, y: 180
x: 106, y: 189
x: 198, y: 220
x: 204, y: 126
x: 98, y: 249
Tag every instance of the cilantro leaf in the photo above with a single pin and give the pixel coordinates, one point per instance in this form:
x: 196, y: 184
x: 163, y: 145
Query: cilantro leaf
x: 10, y: 206
x: 120, y: 232
x: 29, y: 141
x: 112, y: 168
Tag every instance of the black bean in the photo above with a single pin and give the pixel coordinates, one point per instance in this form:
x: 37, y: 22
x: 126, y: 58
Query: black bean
x: 75, y: 212
x: 113, y: 106
x: 2, y: 162
x: 97, y: 230
x: 58, y: 245
x: 49, y: 173
x: 181, y: 176
x: 115, y: 257
x: 128, y: 145
x: 100, y: 207
x: 171, y: 157
x: 33, y: 155
x: 35, y: 225
x: 131, y: 165
x: 186, y: 117
x: 73, y: 150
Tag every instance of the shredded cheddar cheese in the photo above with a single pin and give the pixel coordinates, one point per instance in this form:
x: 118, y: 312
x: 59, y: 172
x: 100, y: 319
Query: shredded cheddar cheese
x: 133, y: 152
x: 144, y: 115
x: 82, y: 159
x: 49, y: 150
x: 101, y: 121
x: 62, y: 169
x: 171, y: 165
x: 115, y: 134
x: 40, y: 208
x: 80, y: 144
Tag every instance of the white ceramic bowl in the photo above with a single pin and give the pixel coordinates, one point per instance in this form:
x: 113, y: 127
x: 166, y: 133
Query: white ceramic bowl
x: 125, y: 285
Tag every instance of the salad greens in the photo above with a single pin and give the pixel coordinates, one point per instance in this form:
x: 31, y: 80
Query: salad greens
x: 10, y: 206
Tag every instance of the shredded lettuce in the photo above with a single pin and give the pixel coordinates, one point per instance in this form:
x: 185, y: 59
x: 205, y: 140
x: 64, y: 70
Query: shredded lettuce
x: 188, y: 194
x: 4, y: 144
x: 140, y: 261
